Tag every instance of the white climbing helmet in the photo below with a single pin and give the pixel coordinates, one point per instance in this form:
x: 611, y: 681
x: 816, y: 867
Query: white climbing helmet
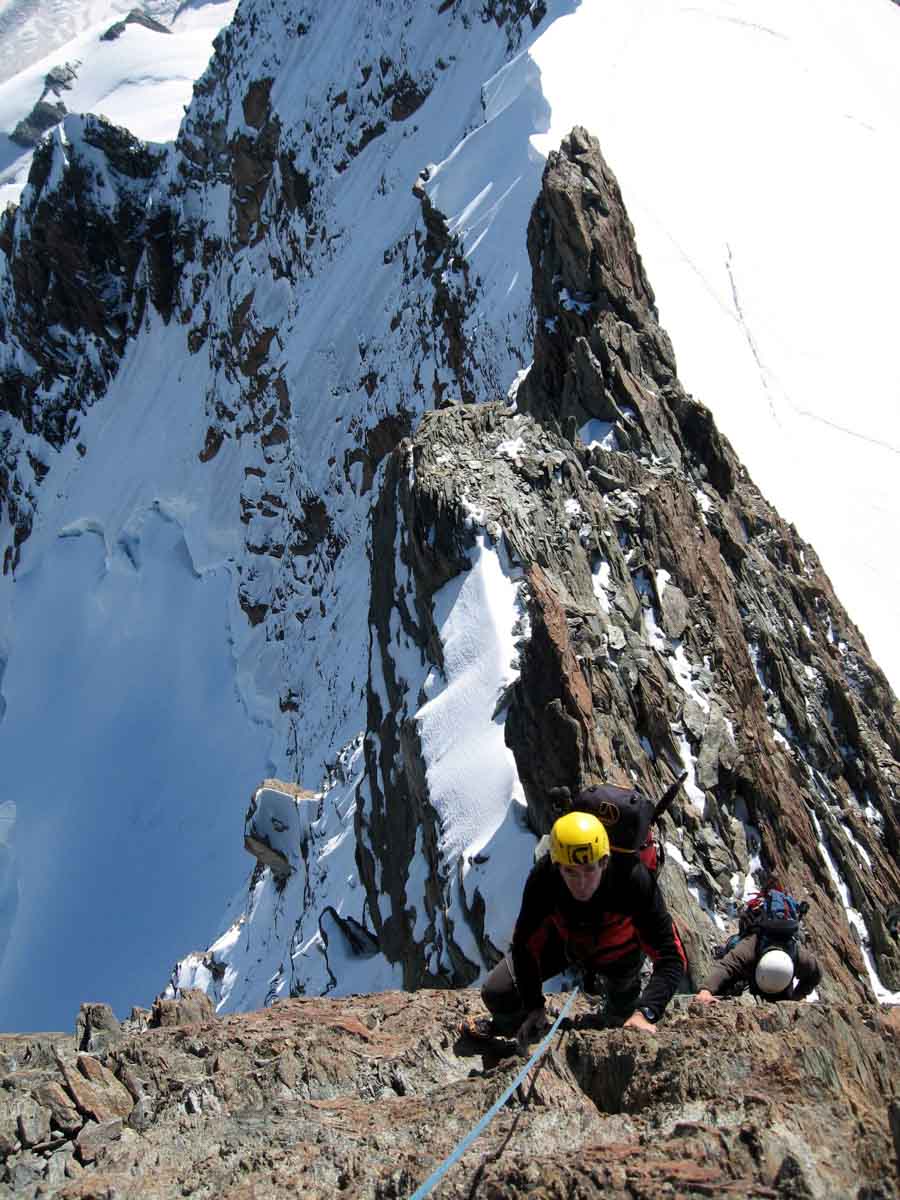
x: 774, y: 972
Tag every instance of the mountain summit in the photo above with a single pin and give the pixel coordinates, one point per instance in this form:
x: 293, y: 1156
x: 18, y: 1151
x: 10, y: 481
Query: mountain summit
x: 343, y: 449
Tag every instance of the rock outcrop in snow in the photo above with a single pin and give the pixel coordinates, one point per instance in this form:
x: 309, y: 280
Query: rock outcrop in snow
x: 78, y: 262
x: 135, y: 17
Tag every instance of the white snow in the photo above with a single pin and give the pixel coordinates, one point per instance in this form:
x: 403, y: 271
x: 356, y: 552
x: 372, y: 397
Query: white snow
x: 599, y: 433
x: 126, y: 742
x: 472, y: 779
x: 696, y: 888
x: 512, y: 448
x: 143, y: 678
x: 652, y: 631
x: 684, y: 676
x: 855, y: 917
x: 695, y: 794
x: 29, y: 30
x: 283, y: 943
x: 142, y: 80
x: 674, y: 852
x: 475, y: 791
x: 572, y: 304
x: 857, y: 845
x: 703, y: 500
x: 601, y: 581
x: 751, y: 882
x: 673, y: 651
x: 873, y: 816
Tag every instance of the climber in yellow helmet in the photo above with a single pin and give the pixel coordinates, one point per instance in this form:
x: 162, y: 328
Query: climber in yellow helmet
x: 576, y: 912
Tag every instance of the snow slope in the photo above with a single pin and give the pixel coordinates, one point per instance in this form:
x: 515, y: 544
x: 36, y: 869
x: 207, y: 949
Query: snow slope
x: 128, y: 750
x: 147, y: 433
x: 142, y: 80
x: 31, y: 29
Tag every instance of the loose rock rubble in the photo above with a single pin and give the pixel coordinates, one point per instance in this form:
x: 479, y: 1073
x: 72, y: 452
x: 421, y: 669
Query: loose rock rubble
x: 365, y: 1096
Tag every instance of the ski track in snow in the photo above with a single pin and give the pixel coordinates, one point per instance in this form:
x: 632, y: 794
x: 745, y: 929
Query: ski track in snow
x: 737, y: 21
x: 763, y: 372
x: 853, y: 433
x: 754, y: 350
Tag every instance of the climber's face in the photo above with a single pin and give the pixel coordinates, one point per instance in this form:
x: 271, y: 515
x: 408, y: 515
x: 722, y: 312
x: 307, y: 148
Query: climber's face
x: 583, y: 881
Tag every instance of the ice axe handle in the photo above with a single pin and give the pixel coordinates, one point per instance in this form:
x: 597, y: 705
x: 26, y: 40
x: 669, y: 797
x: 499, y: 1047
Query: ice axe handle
x: 669, y: 795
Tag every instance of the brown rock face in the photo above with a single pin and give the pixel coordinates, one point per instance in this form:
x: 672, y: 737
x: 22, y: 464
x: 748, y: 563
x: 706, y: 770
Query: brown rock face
x: 797, y: 724
x: 675, y: 622
x: 96, y: 1028
x: 365, y: 1097
x: 192, y: 1007
x: 96, y: 1093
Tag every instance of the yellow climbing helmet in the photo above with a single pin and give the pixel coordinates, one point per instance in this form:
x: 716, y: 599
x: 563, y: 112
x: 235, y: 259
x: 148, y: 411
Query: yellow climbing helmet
x: 578, y: 839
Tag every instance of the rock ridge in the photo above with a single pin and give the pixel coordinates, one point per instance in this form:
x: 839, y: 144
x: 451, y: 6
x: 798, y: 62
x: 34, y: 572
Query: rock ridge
x: 675, y: 622
x: 366, y: 1095
x: 666, y: 621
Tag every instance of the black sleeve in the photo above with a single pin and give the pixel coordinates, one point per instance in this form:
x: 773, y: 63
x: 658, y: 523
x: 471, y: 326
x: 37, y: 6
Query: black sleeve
x: 532, y: 914
x: 659, y: 938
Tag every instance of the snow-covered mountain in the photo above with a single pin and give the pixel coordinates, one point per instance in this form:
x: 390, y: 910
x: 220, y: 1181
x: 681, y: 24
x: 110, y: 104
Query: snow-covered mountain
x: 211, y: 349
x: 756, y: 145
x: 97, y: 58
x: 30, y: 29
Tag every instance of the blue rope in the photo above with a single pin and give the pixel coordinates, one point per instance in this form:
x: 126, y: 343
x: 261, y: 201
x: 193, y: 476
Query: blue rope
x: 470, y: 1137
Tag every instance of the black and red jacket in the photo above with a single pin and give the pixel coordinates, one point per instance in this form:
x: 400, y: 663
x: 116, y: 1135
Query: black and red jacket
x: 627, y: 913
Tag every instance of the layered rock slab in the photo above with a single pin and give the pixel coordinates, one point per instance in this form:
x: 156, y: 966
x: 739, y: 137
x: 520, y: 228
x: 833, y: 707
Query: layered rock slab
x: 365, y: 1096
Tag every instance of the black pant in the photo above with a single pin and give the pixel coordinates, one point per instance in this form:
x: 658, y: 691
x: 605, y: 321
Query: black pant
x: 501, y: 996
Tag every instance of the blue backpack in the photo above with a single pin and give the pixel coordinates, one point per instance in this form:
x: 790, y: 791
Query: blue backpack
x: 773, y: 911
x: 774, y: 916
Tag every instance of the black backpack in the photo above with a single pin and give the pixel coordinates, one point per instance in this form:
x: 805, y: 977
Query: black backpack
x: 629, y: 817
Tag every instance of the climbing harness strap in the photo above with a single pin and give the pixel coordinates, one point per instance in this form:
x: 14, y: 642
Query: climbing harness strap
x: 473, y: 1133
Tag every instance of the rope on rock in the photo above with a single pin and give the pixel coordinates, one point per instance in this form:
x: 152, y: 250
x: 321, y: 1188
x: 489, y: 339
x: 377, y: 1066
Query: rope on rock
x: 436, y: 1175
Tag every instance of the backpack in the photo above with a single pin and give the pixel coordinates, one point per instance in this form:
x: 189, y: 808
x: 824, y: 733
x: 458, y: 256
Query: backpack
x: 629, y: 817
x: 774, y: 916
x: 773, y: 912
